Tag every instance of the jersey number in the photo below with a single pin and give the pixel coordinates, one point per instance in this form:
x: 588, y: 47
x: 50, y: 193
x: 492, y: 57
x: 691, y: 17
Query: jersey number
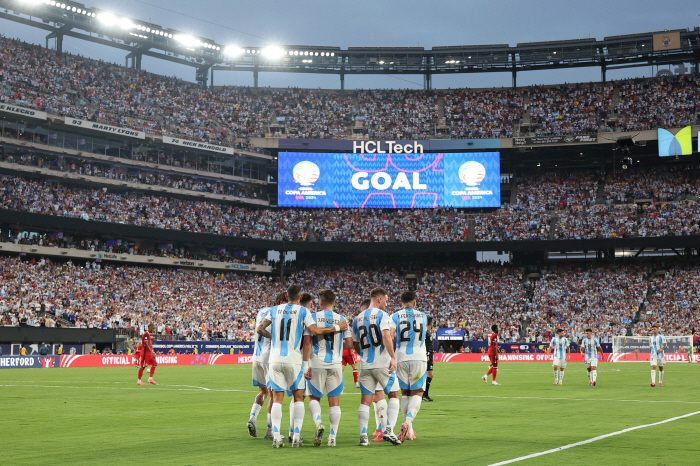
x: 373, y: 337
x: 405, y: 327
x: 283, y: 336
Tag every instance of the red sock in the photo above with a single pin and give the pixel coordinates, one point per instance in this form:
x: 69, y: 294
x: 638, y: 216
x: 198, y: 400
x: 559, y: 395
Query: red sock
x: 140, y: 373
x: 354, y: 375
x: 495, y: 371
x: 490, y: 371
x: 153, y: 369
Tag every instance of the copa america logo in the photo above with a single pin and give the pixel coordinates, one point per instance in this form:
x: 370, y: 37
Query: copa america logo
x: 472, y: 173
x: 306, y: 173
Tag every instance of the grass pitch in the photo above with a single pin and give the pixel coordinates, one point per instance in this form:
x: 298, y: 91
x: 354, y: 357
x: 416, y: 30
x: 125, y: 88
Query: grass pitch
x: 197, y: 415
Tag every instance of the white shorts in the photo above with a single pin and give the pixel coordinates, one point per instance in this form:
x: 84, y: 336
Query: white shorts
x: 328, y: 382
x: 372, y: 380
x: 412, y: 374
x: 285, y: 377
x: 260, y: 377
x: 658, y: 361
x: 591, y: 362
x: 559, y: 362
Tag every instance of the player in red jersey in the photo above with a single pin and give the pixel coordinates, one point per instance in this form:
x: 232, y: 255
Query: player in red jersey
x: 493, y: 356
x: 138, y: 349
x: 148, y: 358
x: 349, y: 358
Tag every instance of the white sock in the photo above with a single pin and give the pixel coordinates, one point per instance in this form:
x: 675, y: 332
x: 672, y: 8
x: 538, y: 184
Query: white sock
x: 376, y: 415
x: 363, y: 418
x: 653, y: 376
x: 291, y: 416
x: 298, y: 417
x: 269, y: 421
x: 556, y: 376
x: 561, y: 376
x: 590, y: 376
x: 315, y: 410
x: 334, y: 412
x: 276, y: 419
x: 381, y: 407
x: 594, y: 375
x: 254, y: 411
x: 392, y: 413
x: 405, y: 399
x: 661, y: 376
x: 413, y: 407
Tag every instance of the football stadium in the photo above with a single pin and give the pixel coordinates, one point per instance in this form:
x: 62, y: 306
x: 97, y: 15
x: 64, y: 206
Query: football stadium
x: 220, y: 248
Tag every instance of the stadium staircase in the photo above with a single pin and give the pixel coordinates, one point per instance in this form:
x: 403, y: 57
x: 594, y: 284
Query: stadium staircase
x: 553, y: 222
x: 442, y: 122
x: 392, y: 230
x: 526, y: 120
x: 600, y: 193
x: 613, y: 116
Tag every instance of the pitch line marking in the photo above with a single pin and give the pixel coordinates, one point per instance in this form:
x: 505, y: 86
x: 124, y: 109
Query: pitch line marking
x: 567, y: 399
x: 591, y: 440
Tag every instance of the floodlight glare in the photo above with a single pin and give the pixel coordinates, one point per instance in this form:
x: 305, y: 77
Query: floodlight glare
x: 233, y: 51
x: 272, y: 52
x: 187, y: 40
x: 106, y: 18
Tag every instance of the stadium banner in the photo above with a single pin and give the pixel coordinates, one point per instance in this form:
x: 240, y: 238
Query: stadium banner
x: 198, y: 145
x: 544, y: 357
x: 239, y: 347
x: 25, y: 112
x: 667, y: 41
x: 450, y: 334
x: 126, y: 360
x: 348, y: 145
x: 93, y: 125
x: 568, y: 139
x: 27, y: 362
x: 515, y: 347
x: 398, y: 181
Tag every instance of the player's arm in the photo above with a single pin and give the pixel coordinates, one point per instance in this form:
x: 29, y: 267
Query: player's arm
x: 389, y: 345
x: 307, y: 355
x: 600, y: 350
x: 340, y: 327
x: 663, y: 346
x: 262, y: 328
x: 150, y: 347
x: 348, y: 343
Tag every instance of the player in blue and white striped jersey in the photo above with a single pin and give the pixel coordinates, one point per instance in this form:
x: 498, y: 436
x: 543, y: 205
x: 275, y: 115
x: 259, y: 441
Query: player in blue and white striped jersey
x: 325, y: 376
x: 372, y: 334
x: 286, y: 328
x: 559, y: 346
x: 261, y: 356
x: 589, y: 348
x: 411, y: 360
x: 657, y: 345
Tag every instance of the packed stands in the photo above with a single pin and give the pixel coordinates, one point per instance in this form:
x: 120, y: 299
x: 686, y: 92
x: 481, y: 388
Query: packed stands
x: 570, y: 108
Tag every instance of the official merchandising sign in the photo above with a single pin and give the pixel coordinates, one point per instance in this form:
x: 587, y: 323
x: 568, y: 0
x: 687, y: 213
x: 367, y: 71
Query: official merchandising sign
x: 22, y: 111
x: 103, y: 128
x: 567, y: 139
x: 382, y: 178
x: 543, y: 357
x: 198, y: 145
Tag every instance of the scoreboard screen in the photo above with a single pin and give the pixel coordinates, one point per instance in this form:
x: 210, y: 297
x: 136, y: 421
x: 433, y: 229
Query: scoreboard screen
x: 398, y: 181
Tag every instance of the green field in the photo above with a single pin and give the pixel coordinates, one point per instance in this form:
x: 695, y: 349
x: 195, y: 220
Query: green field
x: 197, y: 415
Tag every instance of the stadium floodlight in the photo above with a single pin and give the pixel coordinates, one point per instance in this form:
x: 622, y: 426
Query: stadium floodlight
x: 233, y: 51
x: 381, y: 62
x: 187, y: 40
x: 273, y: 52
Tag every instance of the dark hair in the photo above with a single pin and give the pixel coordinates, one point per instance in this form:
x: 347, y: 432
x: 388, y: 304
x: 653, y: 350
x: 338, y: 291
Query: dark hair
x: 365, y: 303
x: 560, y: 330
x: 430, y: 320
x: 293, y: 292
x: 494, y: 328
x: 327, y: 296
x: 589, y: 330
x: 306, y: 298
x: 280, y: 298
x: 377, y: 292
x: 408, y: 297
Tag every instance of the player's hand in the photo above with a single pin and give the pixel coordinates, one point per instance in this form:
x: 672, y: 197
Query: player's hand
x: 392, y: 365
x: 343, y: 325
x: 307, y: 376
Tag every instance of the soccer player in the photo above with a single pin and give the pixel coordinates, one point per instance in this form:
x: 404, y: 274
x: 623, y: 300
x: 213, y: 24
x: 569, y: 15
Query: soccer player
x: 657, y: 344
x: 325, y: 375
x: 261, y: 357
x: 372, y: 331
x: 493, y: 356
x: 286, y: 324
x: 559, y: 346
x: 410, y: 326
x: 589, y: 348
x: 430, y: 349
x: 148, y: 358
x: 349, y: 353
x: 138, y: 351
x: 306, y: 301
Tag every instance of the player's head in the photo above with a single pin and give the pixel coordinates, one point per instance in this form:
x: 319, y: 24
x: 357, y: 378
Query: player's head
x: 430, y: 323
x: 654, y: 330
x: 560, y: 332
x: 293, y: 294
x: 307, y: 300
x: 364, y: 305
x: 408, y: 299
x: 326, y: 299
x: 379, y: 298
x: 151, y: 328
x: 280, y: 298
x: 494, y: 328
x: 589, y: 333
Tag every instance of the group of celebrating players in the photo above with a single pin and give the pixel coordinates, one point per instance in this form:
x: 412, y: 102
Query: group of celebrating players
x: 301, y: 353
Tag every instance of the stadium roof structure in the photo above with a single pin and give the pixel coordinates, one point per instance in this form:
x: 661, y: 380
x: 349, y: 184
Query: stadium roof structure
x: 141, y: 38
